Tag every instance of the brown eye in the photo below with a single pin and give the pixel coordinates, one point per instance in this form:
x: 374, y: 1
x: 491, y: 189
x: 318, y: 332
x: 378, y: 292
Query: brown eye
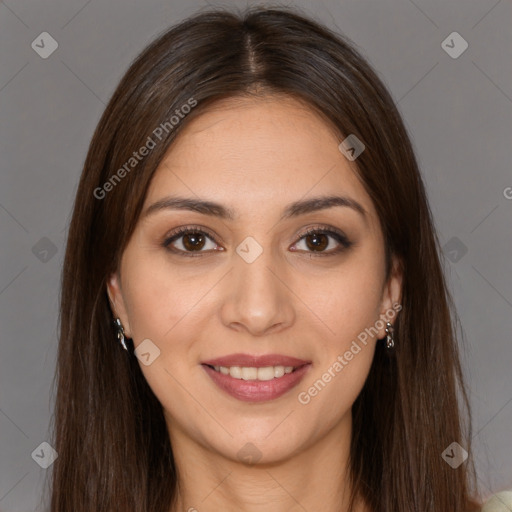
x: 193, y: 241
x: 190, y: 240
x: 317, y: 241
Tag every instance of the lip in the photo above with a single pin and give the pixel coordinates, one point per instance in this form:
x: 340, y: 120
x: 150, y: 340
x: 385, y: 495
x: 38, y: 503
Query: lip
x: 256, y: 390
x: 255, y: 361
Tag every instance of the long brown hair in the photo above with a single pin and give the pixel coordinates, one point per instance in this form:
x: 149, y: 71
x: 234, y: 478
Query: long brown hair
x: 114, y: 452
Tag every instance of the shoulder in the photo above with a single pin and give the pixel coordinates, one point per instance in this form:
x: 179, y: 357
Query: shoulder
x: 499, y: 502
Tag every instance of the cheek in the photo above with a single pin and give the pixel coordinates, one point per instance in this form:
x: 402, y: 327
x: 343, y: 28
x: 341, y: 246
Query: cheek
x: 159, y: 298
x: 348, y: 300
x: 165, y: 306
x: 331, y: 392
x: 348, y: 305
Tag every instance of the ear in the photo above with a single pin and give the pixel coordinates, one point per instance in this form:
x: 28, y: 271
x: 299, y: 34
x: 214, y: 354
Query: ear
x: 391, y: 296
x: 117, y: 303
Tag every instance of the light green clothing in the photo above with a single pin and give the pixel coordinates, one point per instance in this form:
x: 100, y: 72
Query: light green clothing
x: 499, y: 502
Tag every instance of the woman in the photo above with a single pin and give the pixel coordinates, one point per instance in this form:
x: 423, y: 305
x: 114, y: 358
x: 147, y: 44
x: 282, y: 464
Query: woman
x: 252, y: 221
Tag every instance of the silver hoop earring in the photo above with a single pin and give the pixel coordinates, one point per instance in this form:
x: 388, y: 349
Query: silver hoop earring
x: 390, y: 342
x: 120, y: 333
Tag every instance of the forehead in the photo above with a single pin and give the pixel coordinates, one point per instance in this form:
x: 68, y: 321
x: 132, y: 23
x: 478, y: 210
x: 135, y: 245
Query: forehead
x: 247, y: 152
x: 259, y: 129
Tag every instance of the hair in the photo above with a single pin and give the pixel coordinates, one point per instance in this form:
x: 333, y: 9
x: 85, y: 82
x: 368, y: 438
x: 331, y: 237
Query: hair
x: 114, y: 452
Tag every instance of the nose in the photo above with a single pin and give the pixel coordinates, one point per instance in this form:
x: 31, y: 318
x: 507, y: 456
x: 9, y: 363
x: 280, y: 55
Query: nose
x: 258, y: 297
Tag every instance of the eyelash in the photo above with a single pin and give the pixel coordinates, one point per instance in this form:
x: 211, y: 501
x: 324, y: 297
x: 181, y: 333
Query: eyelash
x: 344, y: 242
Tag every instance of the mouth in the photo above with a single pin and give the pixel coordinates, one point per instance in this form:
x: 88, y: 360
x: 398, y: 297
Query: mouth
x: 256, y: 378
x: 263, y: 373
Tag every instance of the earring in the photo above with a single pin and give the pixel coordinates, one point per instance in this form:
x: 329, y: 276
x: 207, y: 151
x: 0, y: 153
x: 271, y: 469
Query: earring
x: 390, y: 342
x: 120, y: 332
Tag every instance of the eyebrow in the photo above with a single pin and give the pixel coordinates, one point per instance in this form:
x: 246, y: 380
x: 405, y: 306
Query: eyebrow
x: 294, y: 209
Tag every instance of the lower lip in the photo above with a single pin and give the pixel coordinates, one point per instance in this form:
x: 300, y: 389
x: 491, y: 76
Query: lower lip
x: 257, y: 390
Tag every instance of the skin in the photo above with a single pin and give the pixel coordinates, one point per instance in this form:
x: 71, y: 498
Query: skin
x: 256, y: 156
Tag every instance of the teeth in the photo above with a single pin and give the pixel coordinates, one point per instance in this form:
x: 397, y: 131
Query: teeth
x: 266, y: 373
x: 248, y: 373
x: 252, y: 373
x: 235, y: 372
x: 278, y: 371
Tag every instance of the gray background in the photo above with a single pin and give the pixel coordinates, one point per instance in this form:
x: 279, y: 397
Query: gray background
x: 458, y: 112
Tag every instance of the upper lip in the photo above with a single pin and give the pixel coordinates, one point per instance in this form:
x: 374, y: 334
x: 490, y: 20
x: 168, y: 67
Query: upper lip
x: 254, y: 361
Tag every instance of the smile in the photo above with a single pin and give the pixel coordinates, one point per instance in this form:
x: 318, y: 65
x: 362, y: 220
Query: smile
x: 256, y: 378
x: 253, y: 373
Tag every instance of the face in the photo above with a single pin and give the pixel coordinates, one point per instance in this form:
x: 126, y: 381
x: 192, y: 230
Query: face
x: 276, y: 294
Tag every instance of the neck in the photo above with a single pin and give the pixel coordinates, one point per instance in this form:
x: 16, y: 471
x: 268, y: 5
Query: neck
x: 315, y: 478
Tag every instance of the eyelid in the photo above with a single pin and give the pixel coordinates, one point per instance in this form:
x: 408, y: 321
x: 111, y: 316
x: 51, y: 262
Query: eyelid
x: 321, y: 228
x: 192, y: 228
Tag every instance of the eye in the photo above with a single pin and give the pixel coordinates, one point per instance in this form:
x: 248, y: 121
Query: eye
x: 190, y: 239
x: 319, y: 239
